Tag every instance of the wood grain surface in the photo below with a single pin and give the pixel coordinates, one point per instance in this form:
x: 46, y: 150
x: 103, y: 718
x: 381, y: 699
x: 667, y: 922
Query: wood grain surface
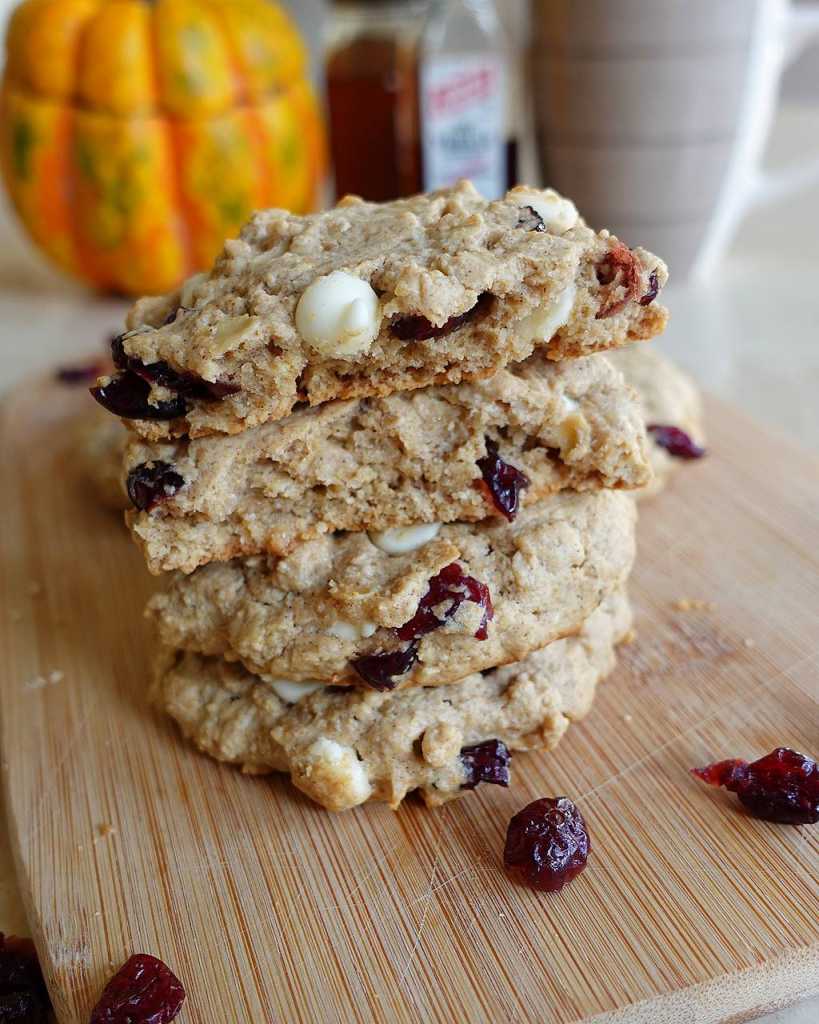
x: 272, y: 910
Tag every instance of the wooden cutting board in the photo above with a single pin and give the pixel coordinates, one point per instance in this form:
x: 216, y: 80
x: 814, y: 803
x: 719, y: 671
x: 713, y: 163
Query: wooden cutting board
x: 272, y: 910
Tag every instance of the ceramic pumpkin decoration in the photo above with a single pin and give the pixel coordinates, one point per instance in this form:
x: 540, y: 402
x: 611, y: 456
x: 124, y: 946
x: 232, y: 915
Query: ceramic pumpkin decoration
x: 136, y: 135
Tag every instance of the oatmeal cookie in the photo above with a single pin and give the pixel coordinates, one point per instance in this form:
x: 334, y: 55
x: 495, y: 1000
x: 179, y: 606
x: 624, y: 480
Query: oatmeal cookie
x: 344, y: 747
x: 343, y: 609
x: 667, y: 396
x: 99, y: 441
x: 441, y: 454
x: 369, y: 299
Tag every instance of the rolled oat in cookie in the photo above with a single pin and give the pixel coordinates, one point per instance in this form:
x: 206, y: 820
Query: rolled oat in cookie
x: 350, y: 609
x: 368, y: 299
x: 345, y: 747
x: 441, y: 454
x: 667, y: 396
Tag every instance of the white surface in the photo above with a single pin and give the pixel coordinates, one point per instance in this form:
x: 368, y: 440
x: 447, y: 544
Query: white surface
x: 750, y: 334
x: 778, y: 38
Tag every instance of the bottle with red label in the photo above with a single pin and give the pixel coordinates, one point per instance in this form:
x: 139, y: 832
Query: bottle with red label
x: 418, y: 97
x: 463, y: 85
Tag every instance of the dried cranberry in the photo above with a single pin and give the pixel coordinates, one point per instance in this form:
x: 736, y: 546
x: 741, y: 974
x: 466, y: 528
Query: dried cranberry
x: 449, y: 585
x: 504, y: 481
x: 23, y: 995
x: 418, y: 328
x: 160, y: 373
x: 211, y: 390
x: 80, y: 373
x: 143, y: 991
x: 21, y: 1008
x: 653, y: 289
x: 486, y: 762
x: 530, y: 220
x: 619, y: 273
x: 151, y: 483
x: 675, y: 441
x: 187, y: 385
x: 547, y: 844
x: 783, y: 786
x: 127, y: 396
x: 154, y: 373
x: 118, y: 354
x: 380, y: 670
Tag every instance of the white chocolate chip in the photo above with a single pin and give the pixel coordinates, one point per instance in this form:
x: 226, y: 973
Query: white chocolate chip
x: 347, y: 631
x: 558, y: 214
x: 339, y: 315
x: 543, y: 322
x: 186, y: 296
x: 343, y: 630
x: 333, y: 772
x: 404, y: 538
x: 328, y: 750
x: 292, y: 693
x: 573, y: 431
x: 569, y: 429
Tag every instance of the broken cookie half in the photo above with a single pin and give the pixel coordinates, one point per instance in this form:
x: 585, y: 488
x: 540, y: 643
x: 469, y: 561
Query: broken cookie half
x: 399, y: 463
x: 370, y: 299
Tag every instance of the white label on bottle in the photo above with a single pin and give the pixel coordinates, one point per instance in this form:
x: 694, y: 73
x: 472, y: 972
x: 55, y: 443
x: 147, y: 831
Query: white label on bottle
x: 462, y: 118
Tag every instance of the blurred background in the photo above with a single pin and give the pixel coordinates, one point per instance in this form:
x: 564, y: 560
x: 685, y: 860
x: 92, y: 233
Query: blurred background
x: 655, y: 116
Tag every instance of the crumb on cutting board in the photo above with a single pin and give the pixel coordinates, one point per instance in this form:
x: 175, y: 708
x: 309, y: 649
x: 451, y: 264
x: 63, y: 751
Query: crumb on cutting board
x: 693, y: 604
x: 54, y: 677
x: 104, y: 830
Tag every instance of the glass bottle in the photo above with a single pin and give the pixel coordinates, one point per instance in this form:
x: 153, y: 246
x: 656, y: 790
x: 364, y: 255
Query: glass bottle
x: 372, y: 96
x: 463, y: 82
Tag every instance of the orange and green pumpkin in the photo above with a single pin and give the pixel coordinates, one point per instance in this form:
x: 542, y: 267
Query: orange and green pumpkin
x: 136, y: 136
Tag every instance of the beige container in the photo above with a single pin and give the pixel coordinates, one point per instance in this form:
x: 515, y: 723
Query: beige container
x: 652, y: 114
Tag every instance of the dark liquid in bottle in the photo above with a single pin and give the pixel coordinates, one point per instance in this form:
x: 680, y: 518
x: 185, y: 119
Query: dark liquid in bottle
x: 375, y: 133
x: 372, y: 93
x: 512, y: 163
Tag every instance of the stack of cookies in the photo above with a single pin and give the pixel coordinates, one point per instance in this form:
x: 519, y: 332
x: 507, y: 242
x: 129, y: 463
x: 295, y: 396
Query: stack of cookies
x: 381, y: 456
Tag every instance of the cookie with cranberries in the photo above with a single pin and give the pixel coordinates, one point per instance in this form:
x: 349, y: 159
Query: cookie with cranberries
x: 424, y: 606
x: 367, y: 299
x: 435, y: 455
x: 345, y: 745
